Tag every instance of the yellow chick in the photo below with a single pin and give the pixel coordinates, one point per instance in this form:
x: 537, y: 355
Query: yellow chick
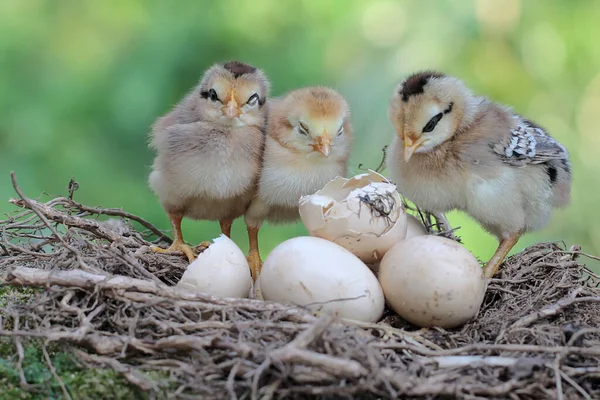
x: 308, y: 143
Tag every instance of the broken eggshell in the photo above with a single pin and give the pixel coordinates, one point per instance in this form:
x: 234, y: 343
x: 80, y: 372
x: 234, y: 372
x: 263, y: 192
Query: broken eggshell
x: 221, y: 270
x: 363, y: 214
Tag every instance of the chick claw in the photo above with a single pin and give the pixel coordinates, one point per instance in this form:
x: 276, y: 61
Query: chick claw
x: 201, y: 247
x: 255, y: 264
x: 177, y: 246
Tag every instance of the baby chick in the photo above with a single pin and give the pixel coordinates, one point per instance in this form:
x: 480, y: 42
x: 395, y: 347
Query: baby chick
x: 455, y: 150
x: 309, y: 136
x: 209, y: 149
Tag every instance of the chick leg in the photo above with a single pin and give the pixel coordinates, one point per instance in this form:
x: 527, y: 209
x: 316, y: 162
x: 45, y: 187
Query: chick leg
x: 226, y: 227
x: 503, y: 249
x: 178, y: 243
x: 254, y: 255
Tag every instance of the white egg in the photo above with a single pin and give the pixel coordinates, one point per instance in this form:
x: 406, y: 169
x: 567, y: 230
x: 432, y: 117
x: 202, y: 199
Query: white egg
x: 432, y: 281
x: 363, y: 214
x: 415, y: 227
x: 221, y: 270
x: 319, y: 274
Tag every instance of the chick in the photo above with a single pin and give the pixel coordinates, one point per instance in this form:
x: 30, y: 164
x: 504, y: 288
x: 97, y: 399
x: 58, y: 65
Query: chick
x: 309, y: 136
x: 209, y: 149
x: 456, y: 150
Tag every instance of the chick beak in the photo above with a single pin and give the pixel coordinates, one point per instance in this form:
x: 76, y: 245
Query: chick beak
x: 323, y: 144
x: 232, y: 109
x: 410, y: 146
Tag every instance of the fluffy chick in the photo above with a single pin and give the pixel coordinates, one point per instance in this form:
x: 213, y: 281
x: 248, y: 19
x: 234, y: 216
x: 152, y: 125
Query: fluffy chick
x: 308, y: 143
x: 456, y: 150
x: 209, y: 149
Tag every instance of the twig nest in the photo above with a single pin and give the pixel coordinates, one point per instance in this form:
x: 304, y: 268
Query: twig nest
x: 432, y: 281
x: 415, y: 227
x: 319, y: 274
x: 221, y: 270
x: 364, y: 214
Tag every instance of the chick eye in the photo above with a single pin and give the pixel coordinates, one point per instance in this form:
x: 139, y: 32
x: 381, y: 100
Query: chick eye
x: 340, y: 131
x: 432, y: 123
x: 252, y: 100
x: 212, y: 94
x: 302, y: 128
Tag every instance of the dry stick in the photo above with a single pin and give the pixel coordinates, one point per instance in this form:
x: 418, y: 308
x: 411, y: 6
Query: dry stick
x: 406, y: 386
x: 44, y: 212
x: 575, y: 385
x: 580, y: 333
x: 231, y: 380
x: 295, y: 351
x: 101, y: 344
x: 123, y: 256
x: 553, y: 309
x: 54, y: 374
x: 115, y: 212
x: 21, y: 353
x: 133, y: 376
x: 290, y: 352
x: 557, y: 377
x: 411, y: 337
x: 139, y: 289
x: 474, y: 361
x: 491, y: 347
x: 34, y: 208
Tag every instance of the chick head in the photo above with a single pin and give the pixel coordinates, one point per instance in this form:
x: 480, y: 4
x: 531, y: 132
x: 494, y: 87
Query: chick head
x: 314, y: 121
x: 428, y: 108
x: 233, y: 93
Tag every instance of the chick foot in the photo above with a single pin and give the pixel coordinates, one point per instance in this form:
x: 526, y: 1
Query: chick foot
x: 255, y: 264
x: 177, y: 246
x: 201, y: 247
x: 503, y: 249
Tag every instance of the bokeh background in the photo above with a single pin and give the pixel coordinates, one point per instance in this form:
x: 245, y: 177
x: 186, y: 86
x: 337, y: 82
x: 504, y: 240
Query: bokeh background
x: 82, y: 81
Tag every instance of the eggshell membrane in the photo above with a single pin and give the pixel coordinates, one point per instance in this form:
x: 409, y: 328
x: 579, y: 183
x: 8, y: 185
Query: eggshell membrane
x: 338, y: 214
x: 415, y: 227
x: 221, y: 270
x: 432, y: 281
x: 319, y: 274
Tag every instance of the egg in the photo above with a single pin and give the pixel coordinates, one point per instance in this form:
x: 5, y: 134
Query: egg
x: 319, y: 274
x: 220, y: 270
x: 363, y: 214
x: 432, y: 281
x: 415, y: 227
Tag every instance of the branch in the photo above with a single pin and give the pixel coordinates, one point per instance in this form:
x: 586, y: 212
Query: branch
x: 139, y: 290
x: 114, y: 212
x: 480, y: 347
x: 295, y: 351
x: 553, y: 309
x: 133, y: 376
x: 36, y: 209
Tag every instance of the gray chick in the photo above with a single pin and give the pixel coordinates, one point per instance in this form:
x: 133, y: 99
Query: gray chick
x: 209, y: 149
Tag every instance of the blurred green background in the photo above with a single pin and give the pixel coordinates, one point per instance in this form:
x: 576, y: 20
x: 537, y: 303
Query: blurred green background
x: 82, y: 81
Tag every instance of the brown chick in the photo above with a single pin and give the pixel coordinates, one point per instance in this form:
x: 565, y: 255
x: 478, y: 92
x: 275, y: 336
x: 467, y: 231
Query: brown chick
x: 209, y: 149
x: 309, y: 136
x: 455, y: 150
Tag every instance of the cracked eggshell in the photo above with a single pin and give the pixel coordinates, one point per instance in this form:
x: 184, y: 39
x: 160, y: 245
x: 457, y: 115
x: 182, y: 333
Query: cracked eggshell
x: 432, y: 281
x: 221, y: 270
x: 415, y: 227
x: 319, y: 274
x: 347, y: 212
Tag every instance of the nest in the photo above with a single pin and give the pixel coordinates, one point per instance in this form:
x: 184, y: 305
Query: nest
x: 104, y: 296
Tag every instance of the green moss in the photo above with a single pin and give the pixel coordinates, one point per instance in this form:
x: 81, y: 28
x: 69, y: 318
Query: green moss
x: 82, y: 383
